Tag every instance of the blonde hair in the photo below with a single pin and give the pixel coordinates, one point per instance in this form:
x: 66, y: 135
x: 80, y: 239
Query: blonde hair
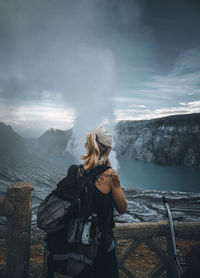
x: 98, y: 145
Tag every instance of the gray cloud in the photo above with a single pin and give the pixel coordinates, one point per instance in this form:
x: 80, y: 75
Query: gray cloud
x: 147, y: 114
x: 46, y: 42
x: 83, y: 54
x: 182, y: 83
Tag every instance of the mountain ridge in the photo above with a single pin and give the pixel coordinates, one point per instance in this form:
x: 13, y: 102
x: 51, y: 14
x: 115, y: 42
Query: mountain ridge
x: 171, y: 140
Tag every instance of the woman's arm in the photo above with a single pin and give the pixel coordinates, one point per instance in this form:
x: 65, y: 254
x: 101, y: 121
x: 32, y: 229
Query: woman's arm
x: 117, y: 194
x: 111, y: 178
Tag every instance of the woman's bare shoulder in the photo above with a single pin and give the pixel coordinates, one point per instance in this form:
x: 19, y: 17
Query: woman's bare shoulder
x: 111, y: 176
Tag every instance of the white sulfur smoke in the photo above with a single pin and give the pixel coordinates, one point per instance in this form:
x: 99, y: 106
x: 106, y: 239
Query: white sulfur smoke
x: 94, y: 106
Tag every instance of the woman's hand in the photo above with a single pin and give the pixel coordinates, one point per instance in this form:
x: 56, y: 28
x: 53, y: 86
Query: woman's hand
x: 108, y: 162
x: 109, y: 181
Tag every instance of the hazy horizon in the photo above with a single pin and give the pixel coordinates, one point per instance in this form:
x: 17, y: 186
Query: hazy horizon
x: 70, y: 128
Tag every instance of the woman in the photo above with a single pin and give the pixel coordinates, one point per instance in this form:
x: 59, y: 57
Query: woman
x: 107, y: 193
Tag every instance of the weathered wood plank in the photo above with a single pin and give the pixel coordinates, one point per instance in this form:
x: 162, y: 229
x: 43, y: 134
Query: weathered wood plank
x: 157, y: 270
x: 6, y: 208
x: 154, y: 229
x: 157, y: 249
x: 166, y: 260
x: 18, y: 229
x: 128, y: 271
x: 128, y: 250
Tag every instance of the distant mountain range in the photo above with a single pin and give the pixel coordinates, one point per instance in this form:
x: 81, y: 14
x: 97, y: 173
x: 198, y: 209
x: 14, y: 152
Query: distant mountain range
x: 172, y: 140
x: 12, y: 145
x: 51, y: 142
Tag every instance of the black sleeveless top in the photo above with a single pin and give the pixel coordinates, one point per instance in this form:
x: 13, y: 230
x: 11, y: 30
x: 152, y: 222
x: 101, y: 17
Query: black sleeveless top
x: 104, y: 208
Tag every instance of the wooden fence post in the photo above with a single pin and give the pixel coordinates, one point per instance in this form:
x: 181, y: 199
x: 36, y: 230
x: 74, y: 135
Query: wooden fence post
x: 17, y: 206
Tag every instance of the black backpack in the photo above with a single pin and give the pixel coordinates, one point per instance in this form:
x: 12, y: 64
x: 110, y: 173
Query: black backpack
x: 72, y: 246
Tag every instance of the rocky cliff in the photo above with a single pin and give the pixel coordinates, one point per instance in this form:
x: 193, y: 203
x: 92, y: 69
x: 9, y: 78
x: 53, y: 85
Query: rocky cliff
x: 172, y: 140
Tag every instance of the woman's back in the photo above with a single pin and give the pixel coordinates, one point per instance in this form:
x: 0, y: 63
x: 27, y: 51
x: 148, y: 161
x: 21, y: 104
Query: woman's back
x: 103, y: 202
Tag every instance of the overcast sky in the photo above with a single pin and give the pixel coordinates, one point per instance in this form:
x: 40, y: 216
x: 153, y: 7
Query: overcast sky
x: 64, y: 61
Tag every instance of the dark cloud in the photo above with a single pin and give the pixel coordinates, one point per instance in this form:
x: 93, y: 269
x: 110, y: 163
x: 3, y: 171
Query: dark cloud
x: 174, y: 24
x: 69, y: 52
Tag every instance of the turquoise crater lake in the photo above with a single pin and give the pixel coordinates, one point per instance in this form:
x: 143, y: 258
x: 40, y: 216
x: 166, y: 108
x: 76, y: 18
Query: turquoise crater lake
x: 150, y: 176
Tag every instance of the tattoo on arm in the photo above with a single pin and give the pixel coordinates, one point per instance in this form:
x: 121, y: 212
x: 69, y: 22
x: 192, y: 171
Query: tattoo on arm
x: 113, y: 178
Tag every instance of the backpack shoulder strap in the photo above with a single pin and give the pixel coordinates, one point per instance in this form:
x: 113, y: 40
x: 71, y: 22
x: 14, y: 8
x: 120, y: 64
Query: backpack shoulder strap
x: 90, y: 175
x: 97, y: 170
x: 72, y: 170
x: 86, y: 185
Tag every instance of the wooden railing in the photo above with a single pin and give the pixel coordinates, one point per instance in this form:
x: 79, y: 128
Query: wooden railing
x: 144, y: 249
x: 154, y: 238
x: 17, y: 207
